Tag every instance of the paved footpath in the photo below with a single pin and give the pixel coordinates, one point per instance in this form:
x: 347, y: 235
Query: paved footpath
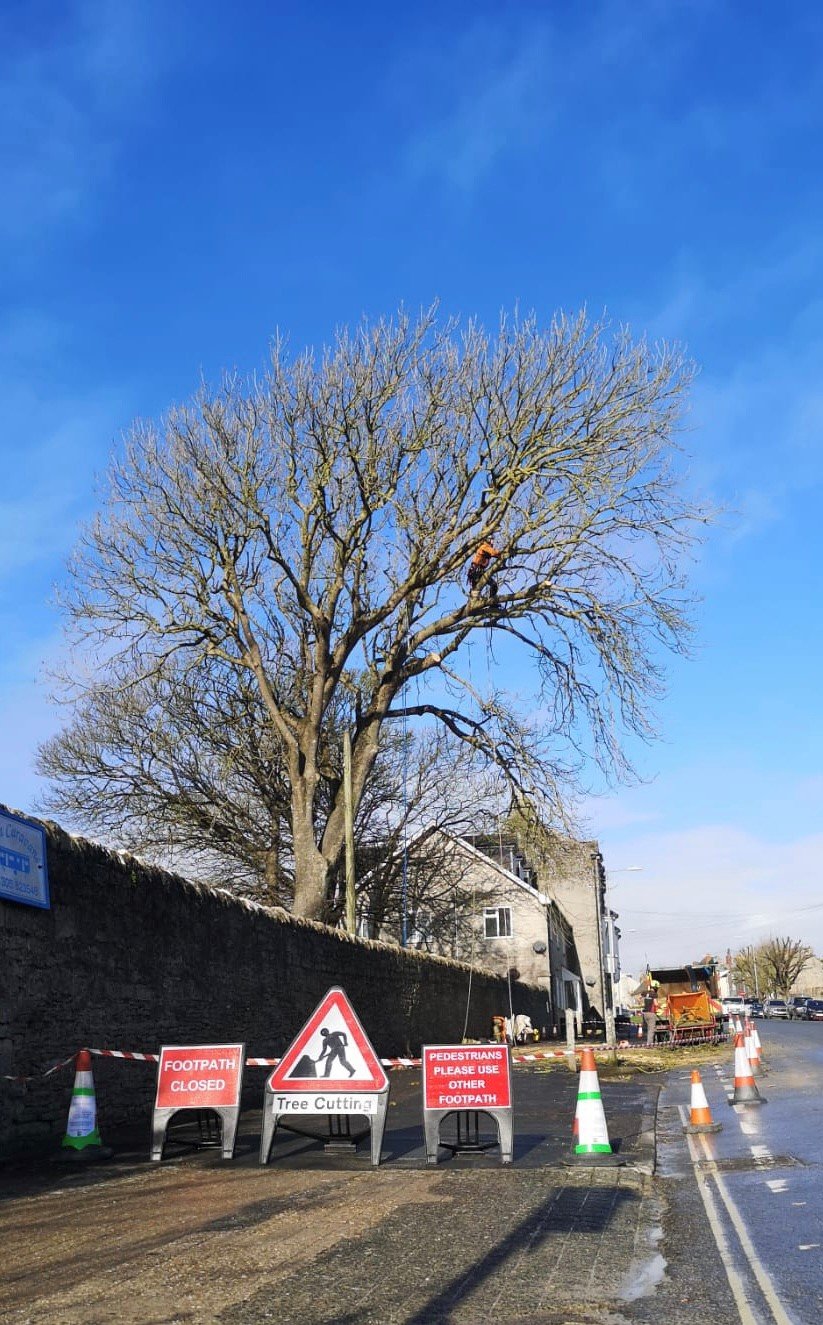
x: 323, y: 1237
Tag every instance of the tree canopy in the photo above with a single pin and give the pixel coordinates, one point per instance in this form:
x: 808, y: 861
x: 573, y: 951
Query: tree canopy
x: 773, y: 966
x: 285, y: 557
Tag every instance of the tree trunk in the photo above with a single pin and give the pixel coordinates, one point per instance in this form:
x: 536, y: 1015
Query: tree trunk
x: 311, y: 869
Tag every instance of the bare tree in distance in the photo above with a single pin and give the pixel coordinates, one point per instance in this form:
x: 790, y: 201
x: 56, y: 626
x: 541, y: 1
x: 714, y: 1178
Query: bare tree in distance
x: 779, y: 962
x: 309, y: 532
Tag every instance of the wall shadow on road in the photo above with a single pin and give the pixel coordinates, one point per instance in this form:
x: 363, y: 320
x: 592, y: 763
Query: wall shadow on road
x: 422, y: 1263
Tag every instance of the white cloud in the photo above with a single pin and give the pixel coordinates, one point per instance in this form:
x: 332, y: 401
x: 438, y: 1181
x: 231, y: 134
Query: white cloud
x: 714, y: 886
x: 496, y: 100
x: 64, y: 101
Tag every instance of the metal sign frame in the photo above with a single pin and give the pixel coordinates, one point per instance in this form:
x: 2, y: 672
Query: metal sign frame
x: 468, y: 1114
x: 293, y: 1104
x: 19, y: 857
x: 295, y: 1097
x: 229, y: 1114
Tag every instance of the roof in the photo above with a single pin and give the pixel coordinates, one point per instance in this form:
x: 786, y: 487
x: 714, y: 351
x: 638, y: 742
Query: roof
x: 669, y: 974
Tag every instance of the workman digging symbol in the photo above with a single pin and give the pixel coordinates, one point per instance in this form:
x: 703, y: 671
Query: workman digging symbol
x: 333, y: 1052
x: 334, y: 1046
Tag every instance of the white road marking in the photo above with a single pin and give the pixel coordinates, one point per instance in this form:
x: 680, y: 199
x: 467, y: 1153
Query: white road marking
x: 758, y: 1269
x: 807, y: 1246
x: 778, y: 1185
x: 741, y: 1290
x: 744, y: 1308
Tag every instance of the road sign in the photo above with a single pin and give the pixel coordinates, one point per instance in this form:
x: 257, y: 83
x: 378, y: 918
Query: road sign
x: 330, y: 1068
x: 198, y: 1076
x: 331, y: 1053
x: 459, y: 1078
x: 23, y: 870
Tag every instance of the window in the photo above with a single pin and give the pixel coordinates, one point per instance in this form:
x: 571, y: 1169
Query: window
x: 497, y: 922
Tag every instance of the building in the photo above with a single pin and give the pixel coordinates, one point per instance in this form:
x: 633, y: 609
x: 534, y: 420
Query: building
x: 538, y: 916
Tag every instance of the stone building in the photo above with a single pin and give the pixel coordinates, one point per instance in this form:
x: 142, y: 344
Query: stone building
x: 537, y: 916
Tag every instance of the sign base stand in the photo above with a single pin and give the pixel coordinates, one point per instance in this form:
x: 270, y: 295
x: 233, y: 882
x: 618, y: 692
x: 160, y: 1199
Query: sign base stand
x: 468, y: 1133
x: 468, y: 1136
x: 340, y: 1136
x: 229, y: 1118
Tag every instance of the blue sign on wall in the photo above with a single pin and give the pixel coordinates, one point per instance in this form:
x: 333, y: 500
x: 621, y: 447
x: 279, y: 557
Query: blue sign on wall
x: 23, y: 869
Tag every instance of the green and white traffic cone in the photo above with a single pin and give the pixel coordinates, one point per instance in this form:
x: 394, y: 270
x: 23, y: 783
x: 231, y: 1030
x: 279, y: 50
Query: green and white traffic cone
x: 590, y: 1132
x: 82, y: 1138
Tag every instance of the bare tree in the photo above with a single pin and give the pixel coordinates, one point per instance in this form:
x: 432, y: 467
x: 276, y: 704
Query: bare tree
x: 779, y: 962
x: 409, y: 874
x: 177, y: 768
x: 310, y: 532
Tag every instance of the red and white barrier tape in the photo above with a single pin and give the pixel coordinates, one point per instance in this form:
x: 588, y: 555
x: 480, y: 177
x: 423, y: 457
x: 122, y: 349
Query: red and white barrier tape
x: 134, y: 1056
x: 37, y: 1076
x: 123, y: 1053
x: 517, y: 1057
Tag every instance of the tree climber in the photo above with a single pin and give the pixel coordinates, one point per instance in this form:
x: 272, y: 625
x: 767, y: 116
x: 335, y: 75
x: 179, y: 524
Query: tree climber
x: 479, y: 564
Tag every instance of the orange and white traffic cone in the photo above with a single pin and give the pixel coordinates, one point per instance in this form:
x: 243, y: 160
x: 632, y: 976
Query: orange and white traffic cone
x: 751, y: 1052
x: 700, y: 1115
x: 758, y: 1046
x: 590, y: 1121
x: 745, y: 1089
x: 82, y: 1138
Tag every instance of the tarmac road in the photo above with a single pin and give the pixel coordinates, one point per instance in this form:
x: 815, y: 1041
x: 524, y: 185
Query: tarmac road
x: 757, y: 1182
x: 318, y: 1237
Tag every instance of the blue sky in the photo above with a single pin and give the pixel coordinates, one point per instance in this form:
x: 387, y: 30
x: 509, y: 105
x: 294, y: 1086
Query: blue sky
x: 181, y: 180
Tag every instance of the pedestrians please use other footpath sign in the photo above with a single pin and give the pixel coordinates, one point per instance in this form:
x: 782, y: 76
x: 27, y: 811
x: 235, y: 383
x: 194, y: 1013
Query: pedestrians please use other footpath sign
x: 466, y: 1078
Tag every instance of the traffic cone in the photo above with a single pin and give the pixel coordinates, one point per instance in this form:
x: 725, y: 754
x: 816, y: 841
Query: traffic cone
x: 82, y: 1139
x: 590, y: 1120
x: 758, y: 1046
x: 745, y: 1090
x: 700, y: 1116
x: 751, y: 1052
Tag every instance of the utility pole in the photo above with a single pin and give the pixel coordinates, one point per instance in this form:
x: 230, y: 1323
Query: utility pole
x: 348, y: 813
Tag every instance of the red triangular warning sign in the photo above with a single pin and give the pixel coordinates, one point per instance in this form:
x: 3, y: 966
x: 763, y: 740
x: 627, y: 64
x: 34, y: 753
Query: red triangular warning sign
x: 332, y: 1052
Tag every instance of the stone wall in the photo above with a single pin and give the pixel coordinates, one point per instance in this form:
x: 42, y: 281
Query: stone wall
x: 130, y: 957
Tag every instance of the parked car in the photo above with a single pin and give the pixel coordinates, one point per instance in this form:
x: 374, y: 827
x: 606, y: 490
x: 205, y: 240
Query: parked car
x: 775, y: 1007
x: 796, y: 1007
x: 813, y: 1010
x: 735, y: 1007
x: 757, y: 1008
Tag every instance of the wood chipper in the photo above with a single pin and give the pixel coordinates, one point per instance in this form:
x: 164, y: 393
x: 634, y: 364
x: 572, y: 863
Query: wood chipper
x: 688, y: 1010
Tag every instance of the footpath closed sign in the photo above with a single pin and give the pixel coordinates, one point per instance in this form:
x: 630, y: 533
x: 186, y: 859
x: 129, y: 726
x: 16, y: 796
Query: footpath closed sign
x: 23, y: 872
x: 198, y: 1076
